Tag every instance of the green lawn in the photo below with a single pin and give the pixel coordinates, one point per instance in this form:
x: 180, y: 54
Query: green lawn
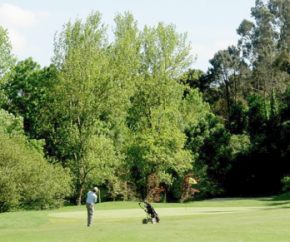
x: 262, y: 219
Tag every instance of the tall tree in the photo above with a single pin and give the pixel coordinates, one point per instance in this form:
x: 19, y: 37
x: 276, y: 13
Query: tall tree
x: 6, y: 57
x: 228, y: 72
x: 124, y: 65
x: 157, y: 150
x: 7, y: 60
x: 81, y: 96
x: 265, y: 44
x: 281, y: 11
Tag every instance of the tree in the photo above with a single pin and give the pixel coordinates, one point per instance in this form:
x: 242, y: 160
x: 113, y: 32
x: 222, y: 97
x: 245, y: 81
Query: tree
x: 165, y: 53
x: 124, y: 64
x: 81, y: 96
x: 27, y: 179
x: 28, y: 91
x: 209, y: 141
x: 228, y: 72
x: 192, y: 79
x: 264, y: 44
x: 281, y: 11
x: 6, y: 57
x: 7, y: 60
x: 157, y: 148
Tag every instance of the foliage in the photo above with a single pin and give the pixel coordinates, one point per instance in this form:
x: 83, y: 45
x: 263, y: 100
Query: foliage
x: 28, y: 90
x: 6, y: 57
x: 211, y: 143
x: 7, y: 60
x: 240, y: 144
x: 27, y: 179
x: 155, y: 116
x: 286, y: 183
x: 80, y: 95
x: 130, y: 116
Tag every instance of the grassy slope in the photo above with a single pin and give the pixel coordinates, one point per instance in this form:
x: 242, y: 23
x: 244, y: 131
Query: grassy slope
x: 223, y: 220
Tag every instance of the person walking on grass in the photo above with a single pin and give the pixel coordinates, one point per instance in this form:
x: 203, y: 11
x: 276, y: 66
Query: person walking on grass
x: 90, y: 202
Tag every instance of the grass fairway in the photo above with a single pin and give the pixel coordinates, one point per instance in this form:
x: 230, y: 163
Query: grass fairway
x: 214, y: 220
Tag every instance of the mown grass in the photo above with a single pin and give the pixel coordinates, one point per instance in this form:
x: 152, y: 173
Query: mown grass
x: 221, y: 220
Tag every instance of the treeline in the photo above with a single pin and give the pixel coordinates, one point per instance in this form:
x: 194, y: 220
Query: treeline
x: 130, y: 116
x: 247, y: 86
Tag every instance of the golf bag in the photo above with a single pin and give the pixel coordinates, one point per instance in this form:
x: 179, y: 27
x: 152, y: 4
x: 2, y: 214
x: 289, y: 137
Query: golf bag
x: 152, y: 216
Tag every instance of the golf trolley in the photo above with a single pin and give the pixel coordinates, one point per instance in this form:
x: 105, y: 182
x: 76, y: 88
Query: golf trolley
x: 152, y: 216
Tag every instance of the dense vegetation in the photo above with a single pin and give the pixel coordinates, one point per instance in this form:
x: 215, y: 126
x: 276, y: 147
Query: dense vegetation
x: 131, y: 116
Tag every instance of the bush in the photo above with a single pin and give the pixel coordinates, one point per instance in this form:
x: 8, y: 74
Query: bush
x: 27, y: 179
x: 286, y: 183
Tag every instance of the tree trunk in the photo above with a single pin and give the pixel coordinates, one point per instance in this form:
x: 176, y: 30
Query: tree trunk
x: 228, y: 100
x: 165, y: 196
x: 80, y: 194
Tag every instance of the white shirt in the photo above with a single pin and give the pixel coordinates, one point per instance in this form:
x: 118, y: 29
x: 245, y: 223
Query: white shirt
x: 91, y: 197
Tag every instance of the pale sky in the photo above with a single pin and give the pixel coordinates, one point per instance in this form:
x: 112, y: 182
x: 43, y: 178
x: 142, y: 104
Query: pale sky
x: 211, y: 24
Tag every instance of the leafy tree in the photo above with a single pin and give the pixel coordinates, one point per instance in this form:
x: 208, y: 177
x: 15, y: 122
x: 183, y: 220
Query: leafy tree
x: 226, y: 71
x: 7, y: 60
x: 192, y: 78
x: 124, y: 64
x: 28, y: 90
x: 165, y: 53
x: 259, y: 169
x: 27, y: 179
x: 264, y: 43
x: 258, y: 115
x: 210, y: 142
x: 281, y: 11
x: 93, y: 96
x: 6, y: 57
x: 81, y: 95
x: 157, y: 149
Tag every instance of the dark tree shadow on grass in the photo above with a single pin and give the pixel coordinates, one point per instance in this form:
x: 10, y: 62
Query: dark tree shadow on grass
x: 279, y: 200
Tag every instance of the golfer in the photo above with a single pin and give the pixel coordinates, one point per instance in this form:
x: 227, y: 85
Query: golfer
x: 91, y: 200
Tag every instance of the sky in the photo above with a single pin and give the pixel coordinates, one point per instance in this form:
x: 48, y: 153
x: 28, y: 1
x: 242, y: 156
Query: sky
x: 210, y: 24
